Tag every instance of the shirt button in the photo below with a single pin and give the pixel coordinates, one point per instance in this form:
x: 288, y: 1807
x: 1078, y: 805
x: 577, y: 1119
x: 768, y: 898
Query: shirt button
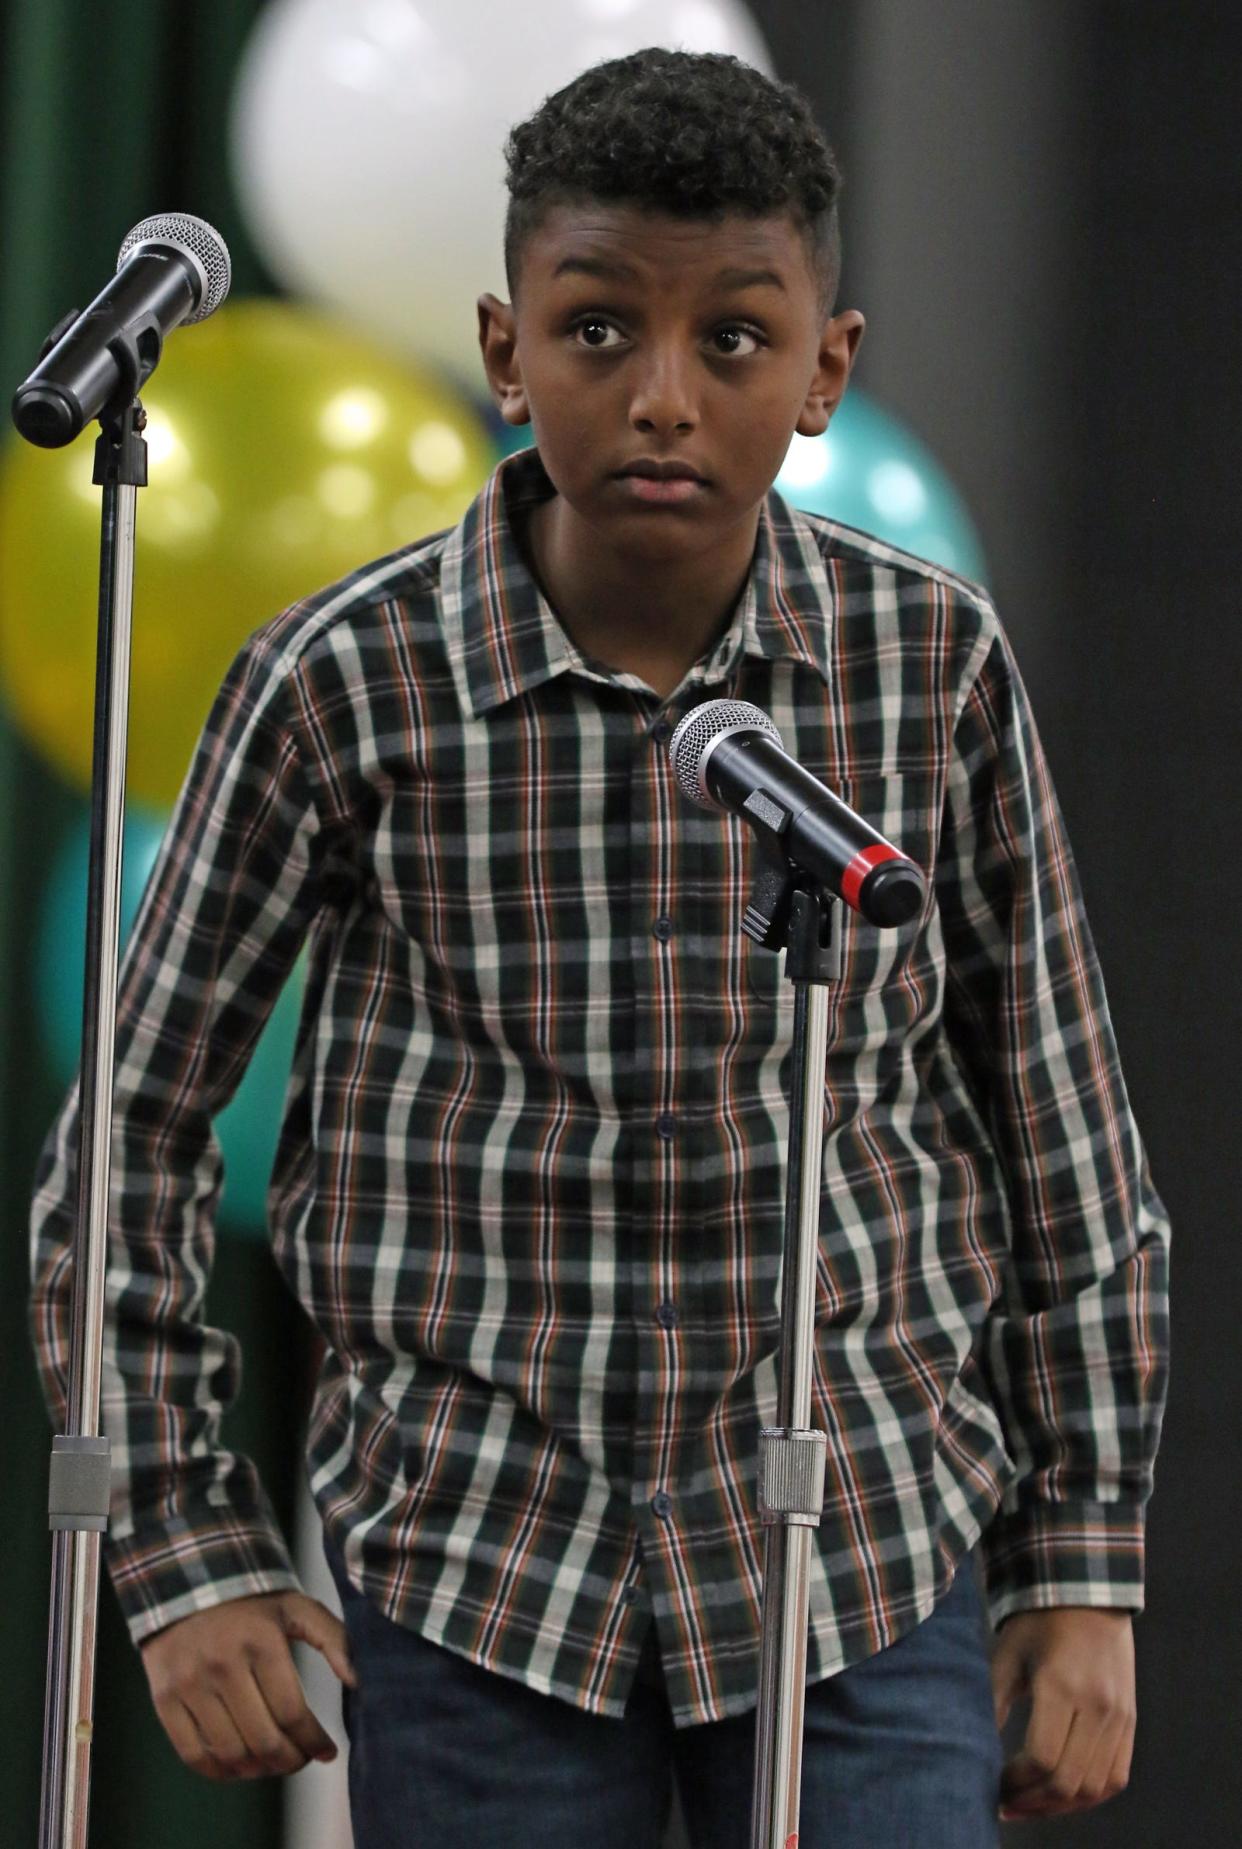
x: 662, y: 928
x: 629, y: 1595
x: 662, y: 1504
x: 661, y: 732
x: 666, y: 1125
x: 667, y: 1315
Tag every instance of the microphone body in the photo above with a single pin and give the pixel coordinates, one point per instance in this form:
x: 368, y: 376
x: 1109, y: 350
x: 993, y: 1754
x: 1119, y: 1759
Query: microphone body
x: 728, y: 755
x: 171, y: 269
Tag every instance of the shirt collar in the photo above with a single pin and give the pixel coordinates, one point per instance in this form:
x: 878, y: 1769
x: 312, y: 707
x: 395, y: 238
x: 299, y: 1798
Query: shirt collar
x: 503, y: 636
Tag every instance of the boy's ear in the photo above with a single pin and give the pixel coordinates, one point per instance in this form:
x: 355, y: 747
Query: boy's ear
x: 498, y: 345
x: 837, y: 349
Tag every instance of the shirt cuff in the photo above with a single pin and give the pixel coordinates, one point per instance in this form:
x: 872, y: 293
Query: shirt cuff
x: 1046, y: 1554
x: 164, y: 1571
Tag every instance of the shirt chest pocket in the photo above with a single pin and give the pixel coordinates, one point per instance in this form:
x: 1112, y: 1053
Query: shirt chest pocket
x: 872, y: 990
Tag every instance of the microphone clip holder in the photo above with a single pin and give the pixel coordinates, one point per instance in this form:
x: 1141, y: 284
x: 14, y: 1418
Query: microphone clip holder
x: 812, y: 946
x: 120, y: 448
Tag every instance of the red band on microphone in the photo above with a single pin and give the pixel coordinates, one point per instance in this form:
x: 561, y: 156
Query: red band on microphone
x: 860, y: 867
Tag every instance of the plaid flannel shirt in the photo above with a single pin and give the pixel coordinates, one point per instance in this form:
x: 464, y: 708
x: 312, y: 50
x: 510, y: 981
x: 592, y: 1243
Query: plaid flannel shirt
x: 531, y: 1175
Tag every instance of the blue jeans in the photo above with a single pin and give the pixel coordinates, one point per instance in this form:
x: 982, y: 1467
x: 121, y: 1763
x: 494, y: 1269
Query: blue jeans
x: 900, y: 1751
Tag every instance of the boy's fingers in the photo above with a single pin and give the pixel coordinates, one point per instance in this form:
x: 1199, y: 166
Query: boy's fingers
x: 297, y: 1753
x: 219, y: 1733
x: 178, y: 1724
x: 1052, y: 1716
x: 1097, y: 1783
x: 269, y: 1746
x: 277, y: 1677
x: 309, y: 1622
x: 1061, y: 1788
x: 1119, y: 1772
x: 1075, y: 1761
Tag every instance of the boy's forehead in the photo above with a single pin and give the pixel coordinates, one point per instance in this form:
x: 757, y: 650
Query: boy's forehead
x: 592, y: 236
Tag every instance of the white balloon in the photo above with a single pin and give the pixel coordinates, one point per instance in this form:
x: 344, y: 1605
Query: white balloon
x: 367, y: 142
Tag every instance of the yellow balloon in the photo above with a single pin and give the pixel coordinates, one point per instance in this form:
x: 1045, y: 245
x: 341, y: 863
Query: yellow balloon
x: 283, y: 452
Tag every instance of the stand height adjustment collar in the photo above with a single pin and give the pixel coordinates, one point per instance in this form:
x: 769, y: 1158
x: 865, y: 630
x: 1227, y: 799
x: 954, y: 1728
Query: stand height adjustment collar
x: 791, y: 1476
x: 79, y: 1483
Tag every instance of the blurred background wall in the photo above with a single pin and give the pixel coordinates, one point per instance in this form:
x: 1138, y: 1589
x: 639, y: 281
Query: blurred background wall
x: 1043, y: 225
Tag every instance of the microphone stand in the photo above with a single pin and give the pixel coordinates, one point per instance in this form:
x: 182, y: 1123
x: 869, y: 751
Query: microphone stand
x: 79, y: 1477
x: 789, y: 908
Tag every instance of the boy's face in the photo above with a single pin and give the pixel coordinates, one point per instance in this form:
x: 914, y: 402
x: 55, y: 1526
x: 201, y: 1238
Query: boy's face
x: 669, y: 357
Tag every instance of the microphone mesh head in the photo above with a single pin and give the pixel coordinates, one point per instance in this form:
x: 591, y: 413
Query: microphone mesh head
x: 699, y: 729
x: 200, y: 242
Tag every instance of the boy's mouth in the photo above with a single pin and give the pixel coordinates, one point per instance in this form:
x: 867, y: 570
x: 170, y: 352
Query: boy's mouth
x: 661, y: 484
x: 651, y: 470
x: 662, y: 491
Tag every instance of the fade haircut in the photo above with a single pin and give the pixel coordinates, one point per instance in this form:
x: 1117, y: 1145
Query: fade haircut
x: 687, y: 134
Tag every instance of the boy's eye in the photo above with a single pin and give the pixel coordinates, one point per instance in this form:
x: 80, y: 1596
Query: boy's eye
x: 595, y: 329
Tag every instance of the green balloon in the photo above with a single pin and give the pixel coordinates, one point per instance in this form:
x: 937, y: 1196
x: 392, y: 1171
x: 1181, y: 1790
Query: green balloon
x: 249, y: 1125
x: 867, y: 471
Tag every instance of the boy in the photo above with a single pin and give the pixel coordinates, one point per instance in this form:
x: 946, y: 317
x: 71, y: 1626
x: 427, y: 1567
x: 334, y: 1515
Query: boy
x: 530, y: 1184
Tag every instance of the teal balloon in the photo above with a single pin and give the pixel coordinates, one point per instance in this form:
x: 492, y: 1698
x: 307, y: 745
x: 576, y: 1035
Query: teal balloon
x: 868, y: 471
x: 249, y: 1125
x: 509, y: 438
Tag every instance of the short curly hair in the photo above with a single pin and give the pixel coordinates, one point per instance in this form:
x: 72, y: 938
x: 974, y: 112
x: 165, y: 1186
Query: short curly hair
x: 690, y: 134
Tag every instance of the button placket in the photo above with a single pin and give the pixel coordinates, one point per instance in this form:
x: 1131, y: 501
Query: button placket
x: 657, y: 1463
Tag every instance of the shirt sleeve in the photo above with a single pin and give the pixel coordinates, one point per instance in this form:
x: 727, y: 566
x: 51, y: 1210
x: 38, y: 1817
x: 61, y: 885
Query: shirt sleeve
x: 1075, y: 1351
x: 222, y: 918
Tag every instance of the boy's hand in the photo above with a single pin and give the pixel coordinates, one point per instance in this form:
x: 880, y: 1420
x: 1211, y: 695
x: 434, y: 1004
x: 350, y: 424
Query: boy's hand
x: 1077, y: 1666
x: 226, y: 1689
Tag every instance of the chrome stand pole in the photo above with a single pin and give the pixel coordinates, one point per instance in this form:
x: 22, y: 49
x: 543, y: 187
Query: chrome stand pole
x: 79, y: 1475
x: 791, y: 1456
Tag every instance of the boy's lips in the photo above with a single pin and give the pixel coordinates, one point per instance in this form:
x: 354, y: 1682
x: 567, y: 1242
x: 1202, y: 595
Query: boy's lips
x: 667, y: 470
x: 668, y: 491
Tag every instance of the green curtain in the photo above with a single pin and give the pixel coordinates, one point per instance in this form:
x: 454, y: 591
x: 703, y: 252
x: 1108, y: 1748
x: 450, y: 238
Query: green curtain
x: 108, y: 113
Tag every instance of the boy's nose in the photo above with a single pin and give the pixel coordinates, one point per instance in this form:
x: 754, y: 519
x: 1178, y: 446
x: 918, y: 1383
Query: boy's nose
x: 662, y: 398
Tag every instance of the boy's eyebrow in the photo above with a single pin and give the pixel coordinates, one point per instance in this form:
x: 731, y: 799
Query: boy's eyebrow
x: 609, y: 268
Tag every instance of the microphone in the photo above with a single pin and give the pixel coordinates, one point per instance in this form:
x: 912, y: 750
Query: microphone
x: 171, y: 269
x: 727, y: 754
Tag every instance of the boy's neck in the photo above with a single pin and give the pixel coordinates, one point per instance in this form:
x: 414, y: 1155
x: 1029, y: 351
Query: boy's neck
x: 654, y: 620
